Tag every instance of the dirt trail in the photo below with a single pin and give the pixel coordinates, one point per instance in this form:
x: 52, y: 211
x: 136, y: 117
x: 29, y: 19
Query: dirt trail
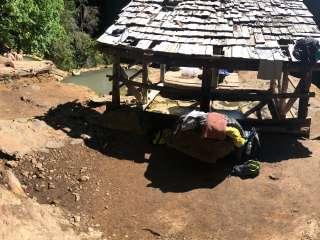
x: 126, y: 188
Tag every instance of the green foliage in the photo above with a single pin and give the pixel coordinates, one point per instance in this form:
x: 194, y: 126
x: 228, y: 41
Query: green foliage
x: 31, y: 25
x: 62, y: 54
x: 78, y: 49
x: 56, y: 29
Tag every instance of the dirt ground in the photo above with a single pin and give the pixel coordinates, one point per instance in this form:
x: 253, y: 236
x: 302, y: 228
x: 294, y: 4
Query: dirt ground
x: 123, y: 186
x: 29, y: 97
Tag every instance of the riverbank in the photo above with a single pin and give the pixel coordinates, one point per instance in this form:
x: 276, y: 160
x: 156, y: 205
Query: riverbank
x: 84, y: 70
x: 34, y: 65
x: 18, y: 69
x: 29, y: 97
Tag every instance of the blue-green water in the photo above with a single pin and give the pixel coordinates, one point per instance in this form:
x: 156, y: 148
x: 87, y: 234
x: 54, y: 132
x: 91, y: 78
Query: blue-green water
x: 95, y: 80
x: 29, y: 58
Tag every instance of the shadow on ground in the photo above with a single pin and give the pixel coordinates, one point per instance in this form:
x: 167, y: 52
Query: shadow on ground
x: 167, y: 169
x: 277, y: 148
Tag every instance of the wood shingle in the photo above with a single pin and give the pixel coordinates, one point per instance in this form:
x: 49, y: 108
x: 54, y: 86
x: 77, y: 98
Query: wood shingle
x: 244, y: 28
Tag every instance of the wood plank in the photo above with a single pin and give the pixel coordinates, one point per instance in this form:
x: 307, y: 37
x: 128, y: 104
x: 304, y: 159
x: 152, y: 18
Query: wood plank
x: 221, y: 94
x: 151, y: 95
x: 144, y: 44
x: 136, y: 74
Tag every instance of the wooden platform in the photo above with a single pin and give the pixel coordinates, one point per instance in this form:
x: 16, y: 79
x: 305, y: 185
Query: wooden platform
x: 237, y: 80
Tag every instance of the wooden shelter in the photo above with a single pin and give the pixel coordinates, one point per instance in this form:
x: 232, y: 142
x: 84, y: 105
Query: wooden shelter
x: 215, y: 34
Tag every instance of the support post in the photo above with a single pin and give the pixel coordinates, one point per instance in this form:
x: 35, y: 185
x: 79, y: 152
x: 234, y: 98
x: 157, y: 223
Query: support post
x: 298, y: 90
x: 145, y: 79
x: 273, y: 109
x: 116, y: 82
x: 210, y: 78
x: 304, y: 101
x: 162, y: 72
x: 284, y: 89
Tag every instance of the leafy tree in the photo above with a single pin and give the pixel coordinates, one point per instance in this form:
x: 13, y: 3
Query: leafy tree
x: 56, y: 29
x: 88, y: 16
x: 31, y: 25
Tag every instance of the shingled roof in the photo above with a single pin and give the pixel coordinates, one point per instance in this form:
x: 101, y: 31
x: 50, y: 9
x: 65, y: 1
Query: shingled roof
x: 252, y: 29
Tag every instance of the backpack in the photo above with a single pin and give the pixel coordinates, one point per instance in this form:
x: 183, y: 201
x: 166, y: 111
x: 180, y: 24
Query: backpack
x: 306, y: 49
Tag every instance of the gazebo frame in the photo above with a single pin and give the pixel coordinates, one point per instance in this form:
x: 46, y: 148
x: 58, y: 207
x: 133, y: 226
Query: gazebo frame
x: 277, y: 98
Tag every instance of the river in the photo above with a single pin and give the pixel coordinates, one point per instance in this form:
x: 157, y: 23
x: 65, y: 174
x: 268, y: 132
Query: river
x: 95, y: 80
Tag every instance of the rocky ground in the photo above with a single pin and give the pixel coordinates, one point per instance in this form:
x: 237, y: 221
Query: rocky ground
x: 119, y: 184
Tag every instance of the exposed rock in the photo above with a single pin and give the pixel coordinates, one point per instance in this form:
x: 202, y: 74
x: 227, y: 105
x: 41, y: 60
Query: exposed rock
x: 76, y: 196
x: 274, y: 177
x: 35, y: 88
x: 85, y: 136
x: 84, y: 179
x: 24, y: 136
x: 40, y: 167
x: 55, y: 202
x: 40, y: 175
x: 12, y: 164
x: 26, y: 99
x: 24, y: 219
x: 37, y: 188
x: 13, y: 183
x: 76, y: 141
x: 76, y: 219
x: 54, y: 144
x: 25, y: 174
x: 51, y: 185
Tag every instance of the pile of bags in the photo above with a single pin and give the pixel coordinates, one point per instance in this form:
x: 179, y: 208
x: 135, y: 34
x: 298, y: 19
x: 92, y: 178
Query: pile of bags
x: 209, y: 137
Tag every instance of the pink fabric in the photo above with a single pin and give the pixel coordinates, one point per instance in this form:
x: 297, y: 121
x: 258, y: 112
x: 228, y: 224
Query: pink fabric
x: 215, y: 127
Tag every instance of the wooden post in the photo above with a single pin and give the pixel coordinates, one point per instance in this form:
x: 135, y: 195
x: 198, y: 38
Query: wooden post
x: 215, y: 78
x: 116, y: 82
x: 273, y: 110
x: 162, y: 72
x: 284, y: 89
x: 145, y: 79
x: 210, y: 78
x: 304, y: 101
